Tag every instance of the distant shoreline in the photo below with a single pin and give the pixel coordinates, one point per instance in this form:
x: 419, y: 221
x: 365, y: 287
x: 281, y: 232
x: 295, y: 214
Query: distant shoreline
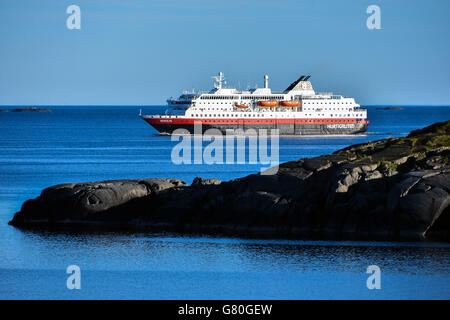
x: 30, y: 109
x: 390, y: 108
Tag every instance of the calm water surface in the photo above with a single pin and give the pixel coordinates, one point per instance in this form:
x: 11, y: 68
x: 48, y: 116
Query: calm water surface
x: 75, y: 144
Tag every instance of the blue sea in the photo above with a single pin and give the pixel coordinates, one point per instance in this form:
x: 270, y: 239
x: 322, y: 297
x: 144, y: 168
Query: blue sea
x: 87, y: 143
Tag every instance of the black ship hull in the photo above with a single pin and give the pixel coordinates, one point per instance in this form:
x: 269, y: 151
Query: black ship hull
x: 283, y: 129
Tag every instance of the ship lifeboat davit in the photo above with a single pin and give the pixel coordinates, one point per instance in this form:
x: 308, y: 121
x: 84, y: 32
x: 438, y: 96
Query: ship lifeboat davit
x: 268, y: 103
x: 291, y: 103
x: 240, y: 106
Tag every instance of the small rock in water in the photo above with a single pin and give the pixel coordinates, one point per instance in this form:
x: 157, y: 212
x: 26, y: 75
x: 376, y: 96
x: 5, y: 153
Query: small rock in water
x: 30, y: 109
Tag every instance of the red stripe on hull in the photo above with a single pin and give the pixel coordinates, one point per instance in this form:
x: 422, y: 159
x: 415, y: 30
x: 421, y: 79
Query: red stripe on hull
x: 191, y: 121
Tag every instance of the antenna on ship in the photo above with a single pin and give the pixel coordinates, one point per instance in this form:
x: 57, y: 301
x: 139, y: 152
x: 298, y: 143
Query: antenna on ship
x: 219, y: 80
x: 266, y: 81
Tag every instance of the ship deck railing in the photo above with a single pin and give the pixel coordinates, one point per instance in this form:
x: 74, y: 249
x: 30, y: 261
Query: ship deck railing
x: 165, y: 116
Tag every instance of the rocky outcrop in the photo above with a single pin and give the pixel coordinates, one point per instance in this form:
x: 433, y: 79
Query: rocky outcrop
x: 91, y: 201
x: 203, y: 182
x: 396, y: 188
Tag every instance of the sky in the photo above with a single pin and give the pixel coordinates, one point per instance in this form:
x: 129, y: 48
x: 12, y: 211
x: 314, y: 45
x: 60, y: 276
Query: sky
x: 141, y: 52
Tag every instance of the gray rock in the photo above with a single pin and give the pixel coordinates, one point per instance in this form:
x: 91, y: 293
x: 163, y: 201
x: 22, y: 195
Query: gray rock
x: 373, y: 175
x: 348, y: 178
x: 400, y: 190
x: 87, y: 200
x: 369, y: 167
x: 203, y: 182
x: 316, y: 164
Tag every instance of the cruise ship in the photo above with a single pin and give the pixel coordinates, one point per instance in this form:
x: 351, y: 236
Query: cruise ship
x: 298, y: 110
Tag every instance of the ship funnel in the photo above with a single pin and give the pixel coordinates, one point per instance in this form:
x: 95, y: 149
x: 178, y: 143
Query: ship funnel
x: 293, y: 84
x: 266, y: 81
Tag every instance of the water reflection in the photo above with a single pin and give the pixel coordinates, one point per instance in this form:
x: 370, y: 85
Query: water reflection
x: 168, y: 252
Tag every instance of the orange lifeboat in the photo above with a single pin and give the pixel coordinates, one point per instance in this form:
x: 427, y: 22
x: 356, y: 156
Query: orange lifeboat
x: 240, y: 106
x: 268, y: 103
x: 291, y: 103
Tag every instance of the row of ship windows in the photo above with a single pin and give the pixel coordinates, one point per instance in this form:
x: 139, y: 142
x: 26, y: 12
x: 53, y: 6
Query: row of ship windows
x: 305, y: 109
x: 347, y: 102
x: 263, y: 98
x: 274, y: 121
x: 305, y: 104
x: 335, y: 109
x: 242, y: 97
x: 216, y: 102
x: 258, y: 115
x: 258, y: 98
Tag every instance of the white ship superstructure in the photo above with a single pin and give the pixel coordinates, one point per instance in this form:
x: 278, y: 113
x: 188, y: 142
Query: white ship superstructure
x: 298, y: 110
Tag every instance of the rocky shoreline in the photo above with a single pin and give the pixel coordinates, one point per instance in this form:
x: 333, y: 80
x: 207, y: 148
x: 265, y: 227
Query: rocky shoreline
x: 391, y: 189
